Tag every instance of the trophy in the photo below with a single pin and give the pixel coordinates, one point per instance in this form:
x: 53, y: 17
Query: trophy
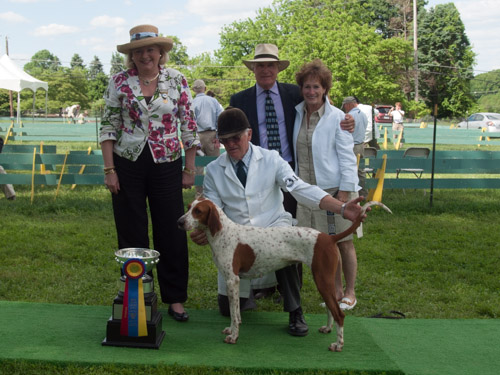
x: 135, y: 321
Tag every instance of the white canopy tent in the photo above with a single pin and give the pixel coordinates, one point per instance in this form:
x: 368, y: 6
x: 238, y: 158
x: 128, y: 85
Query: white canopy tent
x: 15, y: 79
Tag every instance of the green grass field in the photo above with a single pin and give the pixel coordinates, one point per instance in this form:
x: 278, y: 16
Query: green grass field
x: 427, y: 262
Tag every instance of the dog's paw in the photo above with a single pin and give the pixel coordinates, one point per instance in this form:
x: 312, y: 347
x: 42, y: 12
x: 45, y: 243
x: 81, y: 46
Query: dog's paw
x: 335, y: 347
x: 325, y: 329
x: 230, y: 339
x: 227, y: 331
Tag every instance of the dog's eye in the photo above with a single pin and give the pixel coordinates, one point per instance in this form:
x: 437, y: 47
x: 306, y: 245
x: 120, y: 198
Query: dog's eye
x: 196, y: 211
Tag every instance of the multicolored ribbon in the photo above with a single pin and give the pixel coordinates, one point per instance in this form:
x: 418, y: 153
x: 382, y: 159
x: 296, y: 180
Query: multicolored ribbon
x: 134, y: 310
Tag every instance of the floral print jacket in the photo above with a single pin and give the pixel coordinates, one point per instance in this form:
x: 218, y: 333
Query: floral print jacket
x: 133, y: 123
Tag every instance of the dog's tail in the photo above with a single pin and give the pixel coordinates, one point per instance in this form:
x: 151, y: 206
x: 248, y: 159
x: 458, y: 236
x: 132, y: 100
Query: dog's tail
x: 357, y: 222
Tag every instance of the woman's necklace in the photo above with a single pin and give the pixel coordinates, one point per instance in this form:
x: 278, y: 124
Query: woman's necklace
x: 147, y: 82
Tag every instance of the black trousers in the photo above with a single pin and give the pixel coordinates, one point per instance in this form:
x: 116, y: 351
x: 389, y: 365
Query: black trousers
x: 144, y: 183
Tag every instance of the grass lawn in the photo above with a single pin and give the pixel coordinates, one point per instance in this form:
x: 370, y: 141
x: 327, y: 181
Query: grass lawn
x: 427, y: 262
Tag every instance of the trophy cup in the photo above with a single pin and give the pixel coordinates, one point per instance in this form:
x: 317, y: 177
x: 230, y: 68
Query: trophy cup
x: 135, y: 321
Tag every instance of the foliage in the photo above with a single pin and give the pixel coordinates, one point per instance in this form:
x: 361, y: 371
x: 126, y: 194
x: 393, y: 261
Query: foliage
x: 95, y: 67
x: 362, y: 62
x: 117, y: 63
x: 42, y: 61
x: 178, y: 54
x: 97, y: 86
x: 445, y: 59
x: 76, y: 62
x: 486, y: 87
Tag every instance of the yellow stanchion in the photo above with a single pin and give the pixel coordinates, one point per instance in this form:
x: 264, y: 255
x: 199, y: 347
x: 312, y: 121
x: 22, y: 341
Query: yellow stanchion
x: 33, y: 176
x: 384, y: 145
x: 398, y: 142
x: 376, y: 194
x: 61, y: 175
x: 82, y: 168
x: 9, y: 133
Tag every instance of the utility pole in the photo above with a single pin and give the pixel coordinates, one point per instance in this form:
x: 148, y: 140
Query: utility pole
x: 415, y: 48
x: 10, y: 92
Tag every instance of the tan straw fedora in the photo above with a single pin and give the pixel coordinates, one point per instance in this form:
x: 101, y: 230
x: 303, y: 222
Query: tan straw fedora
x: 266, y: 53
x: 145, y: 35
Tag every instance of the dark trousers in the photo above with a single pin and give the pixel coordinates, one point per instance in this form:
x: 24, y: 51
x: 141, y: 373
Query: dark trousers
x: 144, y: 183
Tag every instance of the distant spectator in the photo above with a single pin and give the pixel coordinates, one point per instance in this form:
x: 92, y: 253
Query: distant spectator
x: 397, y: 118
x: 8, y: 189
x: 207, y: 110
x: 83, y: 117
x: 73, y: 112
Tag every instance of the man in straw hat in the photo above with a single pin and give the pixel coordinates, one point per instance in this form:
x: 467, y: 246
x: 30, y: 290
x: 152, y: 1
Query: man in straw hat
x: 147, y: 117
x: 266, y: 65
x: 247, y: 182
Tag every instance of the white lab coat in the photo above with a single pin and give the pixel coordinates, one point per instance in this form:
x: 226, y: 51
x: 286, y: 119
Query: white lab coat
x: 260, y: 203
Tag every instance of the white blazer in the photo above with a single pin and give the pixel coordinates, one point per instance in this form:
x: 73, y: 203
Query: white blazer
x: 334, y: 161
x: 260, y: 202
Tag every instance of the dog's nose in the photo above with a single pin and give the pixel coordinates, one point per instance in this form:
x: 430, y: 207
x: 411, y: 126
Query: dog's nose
x: 180, y: 223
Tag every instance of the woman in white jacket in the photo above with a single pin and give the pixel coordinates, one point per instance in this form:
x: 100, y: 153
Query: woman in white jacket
x: 324, y: 157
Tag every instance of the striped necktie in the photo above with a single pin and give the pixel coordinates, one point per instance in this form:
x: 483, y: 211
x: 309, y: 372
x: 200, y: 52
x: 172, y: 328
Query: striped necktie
x: 273, y: 132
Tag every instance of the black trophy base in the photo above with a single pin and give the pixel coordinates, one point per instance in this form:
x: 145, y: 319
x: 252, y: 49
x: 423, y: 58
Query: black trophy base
x: 151, y: 341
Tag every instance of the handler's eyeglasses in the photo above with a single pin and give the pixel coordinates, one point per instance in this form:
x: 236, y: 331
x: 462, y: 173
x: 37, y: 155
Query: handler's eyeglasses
x: 233, y: 139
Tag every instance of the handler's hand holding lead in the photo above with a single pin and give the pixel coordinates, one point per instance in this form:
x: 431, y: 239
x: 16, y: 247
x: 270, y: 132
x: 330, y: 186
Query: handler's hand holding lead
x: 199, y: 237
x: 353, y: 209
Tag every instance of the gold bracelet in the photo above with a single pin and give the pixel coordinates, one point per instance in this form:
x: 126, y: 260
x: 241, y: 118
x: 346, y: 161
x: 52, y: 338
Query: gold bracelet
x: 189, y: 171
x: 109, y: 171
x: 108, y: 168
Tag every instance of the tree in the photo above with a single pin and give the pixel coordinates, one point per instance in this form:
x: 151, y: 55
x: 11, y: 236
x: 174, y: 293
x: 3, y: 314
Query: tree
x: 42, y: 60
x: 95, y: 67
x: 486, y: 88
x: 76, y: 62
x: 445, y: 60
x: 362, y: 62
x: 178, y: 54
x: 117, y: 63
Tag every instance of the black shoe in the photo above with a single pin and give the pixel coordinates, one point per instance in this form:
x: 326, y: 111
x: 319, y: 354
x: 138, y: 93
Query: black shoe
x: 297, y: 325
x: 223, y: 301
x: 180, y: 317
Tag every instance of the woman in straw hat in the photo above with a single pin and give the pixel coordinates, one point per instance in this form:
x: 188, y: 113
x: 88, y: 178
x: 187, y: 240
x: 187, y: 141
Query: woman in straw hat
x: 141, y: 149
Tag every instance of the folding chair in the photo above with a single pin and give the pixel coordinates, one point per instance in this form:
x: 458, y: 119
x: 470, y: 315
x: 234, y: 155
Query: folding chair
x: 370, y: 153
x: 414, y: 152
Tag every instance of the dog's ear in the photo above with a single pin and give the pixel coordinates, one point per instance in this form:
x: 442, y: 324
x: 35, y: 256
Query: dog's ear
x: 213, y: 222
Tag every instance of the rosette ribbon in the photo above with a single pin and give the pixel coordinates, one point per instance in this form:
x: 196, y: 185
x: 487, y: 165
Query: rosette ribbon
x: 134, y: 310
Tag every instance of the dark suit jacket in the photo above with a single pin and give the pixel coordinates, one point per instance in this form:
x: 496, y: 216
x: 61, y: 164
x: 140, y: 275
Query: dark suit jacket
x: 246, y: 100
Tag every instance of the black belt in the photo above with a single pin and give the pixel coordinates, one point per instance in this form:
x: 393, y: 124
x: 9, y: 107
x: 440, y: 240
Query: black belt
x: 209, y: 130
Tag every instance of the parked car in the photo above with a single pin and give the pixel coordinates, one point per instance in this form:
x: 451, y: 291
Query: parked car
x: 488, y: 120
x: 383, y: 116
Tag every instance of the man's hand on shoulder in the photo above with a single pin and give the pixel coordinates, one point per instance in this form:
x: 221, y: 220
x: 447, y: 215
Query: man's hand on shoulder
x: 348, y: 123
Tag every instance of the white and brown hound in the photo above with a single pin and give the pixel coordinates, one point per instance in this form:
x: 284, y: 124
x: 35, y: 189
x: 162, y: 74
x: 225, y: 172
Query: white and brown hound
x: 250, y: 252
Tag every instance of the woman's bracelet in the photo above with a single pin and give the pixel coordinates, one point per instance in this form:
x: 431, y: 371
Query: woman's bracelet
x: 189, y: 171
x: 108, y: 168
x: 109, y: 171
x: 342, y: 209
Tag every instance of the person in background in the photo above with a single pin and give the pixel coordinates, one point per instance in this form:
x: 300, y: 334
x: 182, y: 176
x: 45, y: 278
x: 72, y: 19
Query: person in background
x: 207, y: 110
x: 82, y: 117
x: 372, y: 133
x: 350, y: 105
x: 324, y: 157
x: 73, y: 113
x: 275, y: 120
x: 141, y: 148
x: 246, y: 182
x: 7, y: 189
x: 397, y: 118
